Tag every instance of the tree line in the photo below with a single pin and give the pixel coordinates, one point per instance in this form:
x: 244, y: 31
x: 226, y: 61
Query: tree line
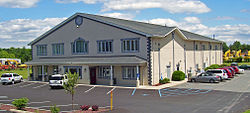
x: 236, y: 46
x: 21, y: 53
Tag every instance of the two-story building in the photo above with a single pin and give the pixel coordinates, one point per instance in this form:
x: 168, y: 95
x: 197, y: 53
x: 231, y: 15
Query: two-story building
x: 111, y: 51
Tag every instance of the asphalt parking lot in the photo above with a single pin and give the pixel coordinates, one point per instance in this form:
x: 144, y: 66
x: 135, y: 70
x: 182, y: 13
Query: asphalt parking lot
x: 226, y: 97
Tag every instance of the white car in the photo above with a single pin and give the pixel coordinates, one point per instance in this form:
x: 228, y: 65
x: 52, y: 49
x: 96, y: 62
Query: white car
x: 57, y: 80
x: 219, y: 72
x: 10, y: 78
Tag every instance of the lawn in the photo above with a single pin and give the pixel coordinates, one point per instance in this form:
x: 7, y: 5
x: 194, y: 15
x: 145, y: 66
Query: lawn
x: 22, y: 71
x: 247, y: 111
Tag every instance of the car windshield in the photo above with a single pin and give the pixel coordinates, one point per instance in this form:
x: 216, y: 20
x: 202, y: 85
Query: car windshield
x: 56, y: 78
x: 214, y: 71
x: 6, y: 75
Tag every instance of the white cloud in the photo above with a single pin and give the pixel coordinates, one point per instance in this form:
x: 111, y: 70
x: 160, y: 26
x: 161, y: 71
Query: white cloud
x: 192, y: 20
x: 18, y: 3
x: 172, y: 6
x: 19, y: 32
x: 227, y: 33
x: 119, y: 15
x: 245, y: 10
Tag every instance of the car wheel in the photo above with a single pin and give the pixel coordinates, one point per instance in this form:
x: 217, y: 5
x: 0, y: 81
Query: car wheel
x: 193, y: 80
x: 211, y: 81
x: 51, y: 87
x: 3, y: 83
x: 21, y: 80
x: 13, y: 82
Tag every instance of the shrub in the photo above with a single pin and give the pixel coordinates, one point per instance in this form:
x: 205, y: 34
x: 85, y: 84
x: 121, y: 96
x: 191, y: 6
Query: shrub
x: 20, y: 103
x: 178, y: 76
x: 94, y: 108
x: 164, y: 81
x: 20, y: 69
x: 85, y: 107
x: 8, y: 69
x: 54, y: 109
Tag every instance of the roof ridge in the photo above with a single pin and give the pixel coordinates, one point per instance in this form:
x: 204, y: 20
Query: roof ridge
x: 127, y: 20
x: 199, y: 35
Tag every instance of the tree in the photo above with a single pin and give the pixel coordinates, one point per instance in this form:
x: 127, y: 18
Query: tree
x: 225, y: 47
x: 70, y: 85
x: 236, y: 46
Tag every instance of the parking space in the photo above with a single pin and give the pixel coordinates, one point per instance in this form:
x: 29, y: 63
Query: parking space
x: 42, y: 97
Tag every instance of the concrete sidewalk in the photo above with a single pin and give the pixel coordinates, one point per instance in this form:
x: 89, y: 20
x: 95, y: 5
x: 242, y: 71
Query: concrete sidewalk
x: 171, y: 84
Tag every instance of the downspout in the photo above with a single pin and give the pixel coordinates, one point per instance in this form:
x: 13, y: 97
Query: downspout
x: 210, y: 48
x: 194, y: 56
x: 173, y: 51
x: 185, y: 60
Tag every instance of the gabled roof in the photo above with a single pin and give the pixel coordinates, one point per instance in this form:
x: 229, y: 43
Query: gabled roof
x: 142, y: 28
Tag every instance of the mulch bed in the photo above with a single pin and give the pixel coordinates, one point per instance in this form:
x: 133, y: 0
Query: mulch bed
x: 8, y: 107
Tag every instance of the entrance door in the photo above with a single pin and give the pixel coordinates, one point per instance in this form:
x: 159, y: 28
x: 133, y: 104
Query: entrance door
x: 92, y: 75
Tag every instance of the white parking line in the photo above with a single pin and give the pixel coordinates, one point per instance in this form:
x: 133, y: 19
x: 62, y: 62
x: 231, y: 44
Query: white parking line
x: 27, y: 85
x: 39, y: 102
x: 40, y: 86
x: 111, y: 90
x: 89, y: 89
x: 3, y: 97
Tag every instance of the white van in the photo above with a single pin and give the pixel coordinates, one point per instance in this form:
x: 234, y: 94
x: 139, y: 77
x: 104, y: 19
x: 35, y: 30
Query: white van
x: 219, y: 72
x: 57, y: 80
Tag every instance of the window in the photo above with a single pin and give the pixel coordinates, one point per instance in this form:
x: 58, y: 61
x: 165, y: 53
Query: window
x: 196, y: 47
x: 41, y: 50
x: 40, y: 70
x: 203, y: 47
x: 129, y: 72
x: 104, y: 72
x: 210, y: 47
x: 105, y: 46
x: 58, y: 49
x: 80, y: 46
x: 216, y: 47
x: 130, y: 45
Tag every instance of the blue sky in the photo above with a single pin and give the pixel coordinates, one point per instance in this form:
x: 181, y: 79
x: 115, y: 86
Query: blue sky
x: 24, y: 20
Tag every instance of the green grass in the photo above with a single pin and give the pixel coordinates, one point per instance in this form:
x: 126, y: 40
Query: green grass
x: 23, y: 72
x: 247, y: 111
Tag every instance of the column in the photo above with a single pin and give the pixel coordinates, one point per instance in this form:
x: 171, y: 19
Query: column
x: 111, y: 75
x: 137, y: 76
x: 28, y: 68
x: 43, y: 73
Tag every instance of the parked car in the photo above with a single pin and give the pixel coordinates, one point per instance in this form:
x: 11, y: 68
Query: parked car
x: 229, y: 72
x: 244, y: 66
x: 232, y: 70
x: 10, y: 78
x: 234, y: 64
x: 206, y: 77
x: 57, y: 80
x: 219, y: 72
x: 235, y: 69
x: 238, y: 70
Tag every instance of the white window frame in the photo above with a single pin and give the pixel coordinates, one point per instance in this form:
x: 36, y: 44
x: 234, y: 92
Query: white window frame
x: 130, y: 45
x: 129, y: 72
x: 58, y: 49
x: 105, y: 46
x: 42, y: 50
x: 104, y: 72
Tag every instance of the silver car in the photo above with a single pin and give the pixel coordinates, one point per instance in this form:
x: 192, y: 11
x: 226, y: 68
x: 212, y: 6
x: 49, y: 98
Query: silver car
x: 206, y: 77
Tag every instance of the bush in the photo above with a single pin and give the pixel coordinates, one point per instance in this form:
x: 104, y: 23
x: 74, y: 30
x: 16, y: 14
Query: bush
x: 20, y: 103
x: 54, y: 109
x: 178, y: 76
x: 213, y: 66
x: 20, y: 69
x: 94, y: 108
x: 85, y: 107
x: 164, y: 81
